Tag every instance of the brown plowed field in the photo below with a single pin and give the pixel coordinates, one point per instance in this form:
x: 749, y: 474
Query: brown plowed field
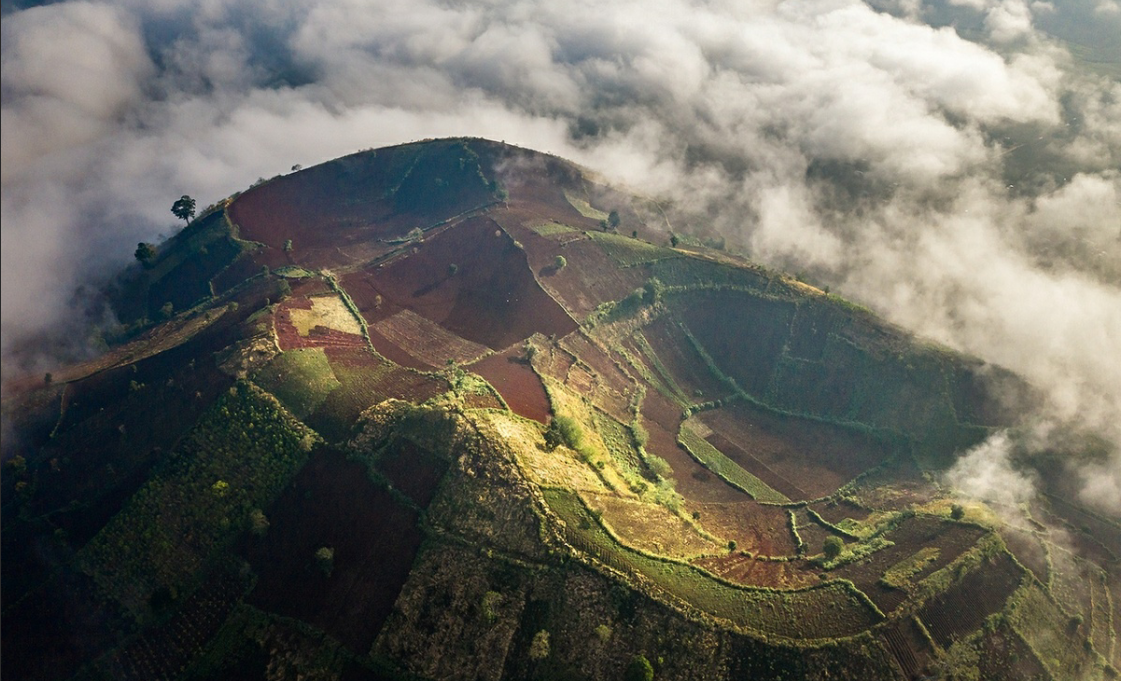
x: 327, y: 211
x: 742, y: 569
x: 554, y: 363
x: 912, y: 535
x: 491, y: 298
x: 697, y: 484
x: 515, y: 380
x: 1005, y: 655
x: 756, y: 528
x: 429, y: 343
x: 332, y: 503
x: 684, y: 363
x: 743, y: 334
x: 607, y: 385
x: 966, y: 604
x: 836, y: 511
x: 590, y: 278
x: 811, y: 532
x: 908, y: 646
x: 815, y: 458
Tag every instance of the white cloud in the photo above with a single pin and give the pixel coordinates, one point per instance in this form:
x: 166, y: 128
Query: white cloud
x: 822, y: 134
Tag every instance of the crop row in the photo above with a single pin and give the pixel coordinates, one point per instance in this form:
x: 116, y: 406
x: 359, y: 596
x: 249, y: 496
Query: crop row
x: 237, y: 458
x: 714, y: 460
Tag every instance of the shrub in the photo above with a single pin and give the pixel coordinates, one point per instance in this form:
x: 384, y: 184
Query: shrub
x: 639, y: 669
x: 603, y: 633
x: 563, y: 430
x: 491, y: 601
x: 659, y: 466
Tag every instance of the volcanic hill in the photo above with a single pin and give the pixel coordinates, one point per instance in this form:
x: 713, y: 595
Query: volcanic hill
x: 459, y: 410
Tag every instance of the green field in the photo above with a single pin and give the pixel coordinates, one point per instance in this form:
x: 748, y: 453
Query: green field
x: 712, y: 459
x: 629, y: 252
x: 301, y: 379
x: 552, y: 228
x: 834, y: 609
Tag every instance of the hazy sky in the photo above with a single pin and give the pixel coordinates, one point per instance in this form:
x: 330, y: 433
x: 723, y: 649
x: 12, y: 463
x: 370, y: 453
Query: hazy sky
x: 949, y: 164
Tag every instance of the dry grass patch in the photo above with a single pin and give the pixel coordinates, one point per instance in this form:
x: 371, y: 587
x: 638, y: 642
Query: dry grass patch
x: 326, y: 311
x: 651, y: 528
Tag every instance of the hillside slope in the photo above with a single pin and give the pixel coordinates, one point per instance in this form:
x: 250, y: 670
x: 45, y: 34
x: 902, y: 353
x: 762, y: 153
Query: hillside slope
x: 458, y: 410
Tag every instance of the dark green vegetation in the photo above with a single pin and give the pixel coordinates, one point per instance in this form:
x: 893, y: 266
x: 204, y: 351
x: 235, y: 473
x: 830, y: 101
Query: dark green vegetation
x: 399, y: 416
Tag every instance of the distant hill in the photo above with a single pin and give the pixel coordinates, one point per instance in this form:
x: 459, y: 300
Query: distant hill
x: 460, y: 410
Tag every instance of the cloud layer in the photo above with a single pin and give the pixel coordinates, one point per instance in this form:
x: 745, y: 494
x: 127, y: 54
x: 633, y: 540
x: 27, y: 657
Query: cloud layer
x: 965, y: 188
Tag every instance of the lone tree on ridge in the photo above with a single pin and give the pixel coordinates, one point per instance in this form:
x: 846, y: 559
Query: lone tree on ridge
x: 184, y: 208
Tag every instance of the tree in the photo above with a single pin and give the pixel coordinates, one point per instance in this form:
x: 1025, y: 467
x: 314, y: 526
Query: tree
x: 452, y: 269
x: 287, y: 245
x: 639, y: 669
x: 325, y: 559
x: 957, y: 511
x: 613, y: 219
x: 258, y: 522
x: 167, y: 310
x: 539, y: 648
x: 559, y: 262
x: 832, y: 547
x: 184, y: 208
x: 673, y: 240
x: 145, y: 253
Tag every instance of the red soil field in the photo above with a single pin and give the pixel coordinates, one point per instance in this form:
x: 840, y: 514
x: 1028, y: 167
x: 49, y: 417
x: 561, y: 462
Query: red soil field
x: 332, y: 503
x: 756, y: 528
x: 815, y: 457
x: 491, y: 298
x: 394, y: 353
x: 967, y: 603
x: 692, y: 480
x: 515, y: 380
x: 589, y: 278
x: 326, y: 210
